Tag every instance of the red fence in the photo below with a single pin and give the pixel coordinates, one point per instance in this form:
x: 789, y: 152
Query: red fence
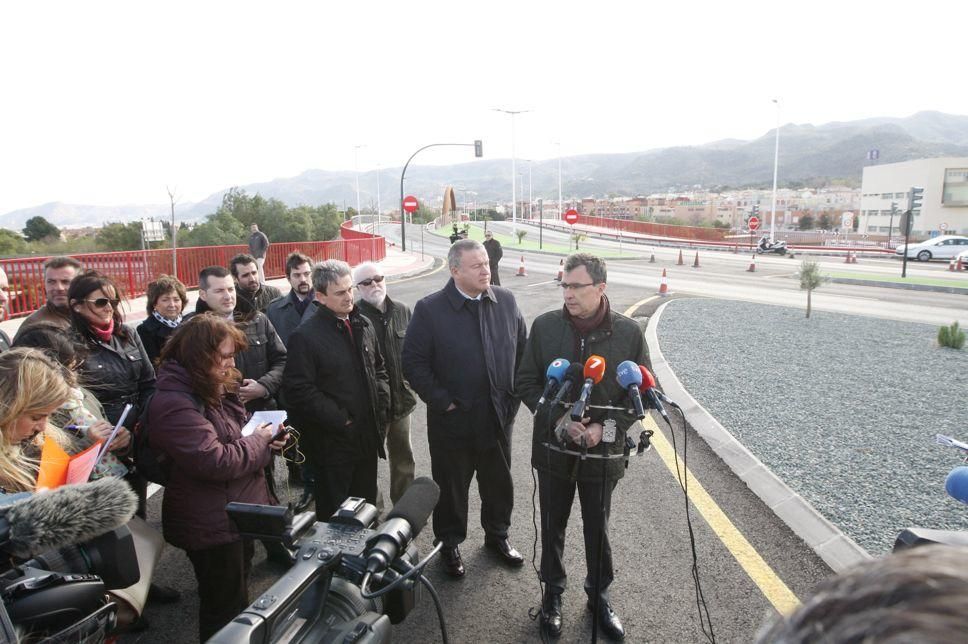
x: 659, y: 230
x: 133, y: 270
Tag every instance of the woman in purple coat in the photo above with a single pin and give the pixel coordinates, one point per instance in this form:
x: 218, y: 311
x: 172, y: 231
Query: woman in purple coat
x: 196, y: 418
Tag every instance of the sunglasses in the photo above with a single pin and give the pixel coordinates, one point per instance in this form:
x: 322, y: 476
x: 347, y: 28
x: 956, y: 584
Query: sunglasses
x: 101, y: 302
x: 369, y: 281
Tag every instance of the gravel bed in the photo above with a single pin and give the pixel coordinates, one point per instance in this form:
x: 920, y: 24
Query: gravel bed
x: 844, y: 409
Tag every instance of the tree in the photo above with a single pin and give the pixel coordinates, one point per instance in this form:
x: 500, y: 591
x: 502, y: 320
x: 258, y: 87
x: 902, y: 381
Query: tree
x: 326, y: 222
x: 520, y: 233
x: 118, y: 236
x: 38, y: 228
x: 806, y: 222
x: 11, y: 244
x: 810, y: 278
x: 824, y: 222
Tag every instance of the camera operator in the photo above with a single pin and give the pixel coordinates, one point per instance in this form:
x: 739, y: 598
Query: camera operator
x: 199, y: 417
x: 586, y: 325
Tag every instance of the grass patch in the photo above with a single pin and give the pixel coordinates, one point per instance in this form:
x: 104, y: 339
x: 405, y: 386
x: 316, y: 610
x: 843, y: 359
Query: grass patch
x: 897, y: 279
x: 530, y: 242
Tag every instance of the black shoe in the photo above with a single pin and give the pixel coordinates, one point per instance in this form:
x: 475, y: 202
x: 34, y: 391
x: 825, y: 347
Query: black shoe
x: 551, y: 614
x: 506, y: 551
x: 608, y: 621
x: 304, y: 501
x: 453, y: 563
x: 162, y: 595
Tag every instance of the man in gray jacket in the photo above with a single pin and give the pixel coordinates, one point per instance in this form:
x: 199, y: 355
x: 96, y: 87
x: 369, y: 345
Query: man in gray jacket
x: 258, y: 248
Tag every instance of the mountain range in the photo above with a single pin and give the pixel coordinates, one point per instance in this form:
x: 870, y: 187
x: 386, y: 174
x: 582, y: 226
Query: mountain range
x: 809, y: 154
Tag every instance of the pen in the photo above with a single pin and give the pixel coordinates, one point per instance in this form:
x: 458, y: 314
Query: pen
x: 77, y: 428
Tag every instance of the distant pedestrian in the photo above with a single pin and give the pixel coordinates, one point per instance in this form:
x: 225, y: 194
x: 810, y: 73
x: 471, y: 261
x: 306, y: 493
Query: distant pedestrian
x: 494, y: 255
x: 258, y: 247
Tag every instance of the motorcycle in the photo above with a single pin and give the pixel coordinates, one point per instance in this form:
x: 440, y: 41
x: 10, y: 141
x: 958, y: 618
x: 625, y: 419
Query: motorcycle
x: 767, y: 245
x: 956, y: 485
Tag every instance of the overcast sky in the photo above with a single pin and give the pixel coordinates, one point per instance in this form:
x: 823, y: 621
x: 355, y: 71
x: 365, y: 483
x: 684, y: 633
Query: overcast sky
x: 108, y: 102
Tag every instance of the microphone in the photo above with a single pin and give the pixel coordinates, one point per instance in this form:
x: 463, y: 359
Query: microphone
x: 594, y: 371
x: 403, y: 524
x: 630, y: 378
x: 956, y: 485
x: 648, y: 390
x: 572, y: 375
x: 65, y: 516
x: 556, y: 371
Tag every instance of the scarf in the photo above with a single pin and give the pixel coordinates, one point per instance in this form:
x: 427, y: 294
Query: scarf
x: 585, y: 326
x: 104, y: 334
x: 168, y: 323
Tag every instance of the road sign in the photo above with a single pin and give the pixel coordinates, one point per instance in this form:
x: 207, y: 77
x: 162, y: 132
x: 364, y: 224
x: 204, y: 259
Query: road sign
x: 410, y: 204
x: 571, y: 216
x: 753, y: 223
x: 847, y: 219
x: 943, y: 226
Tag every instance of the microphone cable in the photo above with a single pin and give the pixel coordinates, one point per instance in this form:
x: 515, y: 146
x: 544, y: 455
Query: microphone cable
x: 701, y: 607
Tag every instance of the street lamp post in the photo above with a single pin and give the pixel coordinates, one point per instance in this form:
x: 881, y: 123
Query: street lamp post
x: 776, y: 166
x: 560, y: 211
x: 514, y: 174
x: 356, y: 165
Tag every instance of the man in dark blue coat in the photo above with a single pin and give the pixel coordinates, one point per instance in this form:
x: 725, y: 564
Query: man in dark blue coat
x: 460, y: 354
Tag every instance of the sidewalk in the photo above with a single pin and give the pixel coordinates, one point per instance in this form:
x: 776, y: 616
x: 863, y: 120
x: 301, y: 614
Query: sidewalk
x: 397, y: 264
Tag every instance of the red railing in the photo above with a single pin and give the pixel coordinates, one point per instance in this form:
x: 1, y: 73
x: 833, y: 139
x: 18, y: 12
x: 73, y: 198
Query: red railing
x: 658, y: 230
x: 134, y: 270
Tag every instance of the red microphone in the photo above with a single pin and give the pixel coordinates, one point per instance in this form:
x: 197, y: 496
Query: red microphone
x: 594, y: 371
x: 648, y: 391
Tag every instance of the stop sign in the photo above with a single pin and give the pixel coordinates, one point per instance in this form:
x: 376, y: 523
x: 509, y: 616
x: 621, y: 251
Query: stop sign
x: 571, y: 216
x: 410, y: 204
x: 754, y: 223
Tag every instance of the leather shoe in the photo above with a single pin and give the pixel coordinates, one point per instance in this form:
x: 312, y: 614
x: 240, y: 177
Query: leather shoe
x: 551, y: 614
x: 608, y: 621
x: 453, y: 563
x: 504, y: 548
x: 162, y: 594
x: 303, y: 503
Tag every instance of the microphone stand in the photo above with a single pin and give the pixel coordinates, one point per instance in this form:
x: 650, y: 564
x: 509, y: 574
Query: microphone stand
x: 596, y: 604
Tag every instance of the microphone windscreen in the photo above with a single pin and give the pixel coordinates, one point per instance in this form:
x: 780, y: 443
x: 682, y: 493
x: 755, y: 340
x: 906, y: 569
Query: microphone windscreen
x: 69, y: 515
x: 574, y: 373
x: 557, y: 369
x: 595, y: 368
x: 648, y: 380
x: 417, y: 503
x: 956, y: 485
x: 628, y: 374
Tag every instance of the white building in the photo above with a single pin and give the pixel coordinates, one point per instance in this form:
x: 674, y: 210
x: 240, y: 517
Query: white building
x: 944, y: 208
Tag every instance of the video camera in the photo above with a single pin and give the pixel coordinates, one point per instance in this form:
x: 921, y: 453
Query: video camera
x: 325, y: 596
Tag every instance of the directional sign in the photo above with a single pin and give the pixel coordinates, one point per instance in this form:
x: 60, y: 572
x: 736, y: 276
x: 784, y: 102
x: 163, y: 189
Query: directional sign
x: 571, y: 216
x: 410, y: 204
x: 943, y: 226
x: 753, y: 223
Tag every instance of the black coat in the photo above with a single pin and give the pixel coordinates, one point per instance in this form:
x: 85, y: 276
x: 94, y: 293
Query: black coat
x: 330, y: 380
x: 391, y: 329
x: 154, y: 335
x: 284, y: 316
x: 437, y: 338
x: 117, y: 373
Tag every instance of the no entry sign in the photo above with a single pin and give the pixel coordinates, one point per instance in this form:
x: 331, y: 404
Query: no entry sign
x: 572, y: 216
x: 754, y: 223
x: 410, y: 204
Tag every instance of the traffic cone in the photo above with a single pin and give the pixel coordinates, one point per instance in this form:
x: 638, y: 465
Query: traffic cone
x: 652, y: 257
x: 951, y: 265
x: 959, y: 266
x: 847, y: 258
x: 663, y: 284
x: 680, y: 262
x: 853, y: 258
x: 752, y: 268
x: 561, y: 270
x: 695, y: 263
x: 521, y: 272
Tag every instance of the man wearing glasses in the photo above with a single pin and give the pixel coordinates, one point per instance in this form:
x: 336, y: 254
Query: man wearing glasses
x: 462, y: 348
x: 583, y: 327
x: 58, y: 273
x: 390, y: 321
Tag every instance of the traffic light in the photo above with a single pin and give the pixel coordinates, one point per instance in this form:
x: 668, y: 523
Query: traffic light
x: 915, y: 196
x: 893, y: 208
x: 756, y: 210
x: 478, y: 148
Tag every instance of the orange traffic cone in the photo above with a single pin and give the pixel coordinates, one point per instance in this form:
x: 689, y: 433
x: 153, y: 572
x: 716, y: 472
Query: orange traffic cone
x: 663, y: 284
x: 959, y: 266
x: 561, y: 270
x: 695, y: 263
x: 680, y: 262
x: 521, y: 272
x: 752, y: 268
x: 853, y: 258
x: 951, y: 265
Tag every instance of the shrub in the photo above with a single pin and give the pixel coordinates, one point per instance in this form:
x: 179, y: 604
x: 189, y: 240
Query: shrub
x: 951, y: 336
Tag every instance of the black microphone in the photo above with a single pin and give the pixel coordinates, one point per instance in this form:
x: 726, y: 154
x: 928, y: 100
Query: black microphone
x: 65, y: 516
x: 594, y: 371
x: 403, y: 524
x: 629, y: 378
x: 572, y: 376
x: 555, y: 373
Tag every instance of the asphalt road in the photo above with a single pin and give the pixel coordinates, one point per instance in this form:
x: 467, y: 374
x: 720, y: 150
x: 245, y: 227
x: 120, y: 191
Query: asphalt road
x: 653, y: 591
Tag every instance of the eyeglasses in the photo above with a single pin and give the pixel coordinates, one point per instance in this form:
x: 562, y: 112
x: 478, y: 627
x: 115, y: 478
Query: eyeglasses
x: 368, y: 281
x: 101, y: 302
x: 575, y: 287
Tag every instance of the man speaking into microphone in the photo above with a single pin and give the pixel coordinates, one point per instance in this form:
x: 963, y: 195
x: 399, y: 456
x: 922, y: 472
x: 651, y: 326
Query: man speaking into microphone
x: 585, y: 327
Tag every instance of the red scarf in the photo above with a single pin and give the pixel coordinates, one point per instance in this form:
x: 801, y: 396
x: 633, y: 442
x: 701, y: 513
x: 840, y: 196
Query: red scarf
x: 104, y: 334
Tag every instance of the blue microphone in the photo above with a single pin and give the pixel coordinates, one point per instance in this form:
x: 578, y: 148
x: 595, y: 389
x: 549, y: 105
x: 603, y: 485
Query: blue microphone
x: 629, y: 378
x: 956, y: 485
x: 555, y: 374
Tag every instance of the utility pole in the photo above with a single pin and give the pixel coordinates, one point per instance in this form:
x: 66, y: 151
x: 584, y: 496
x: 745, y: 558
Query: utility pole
x: 174, y: 235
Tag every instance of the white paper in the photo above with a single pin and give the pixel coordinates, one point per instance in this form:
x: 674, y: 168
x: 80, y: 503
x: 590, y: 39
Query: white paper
x: 260, y: 417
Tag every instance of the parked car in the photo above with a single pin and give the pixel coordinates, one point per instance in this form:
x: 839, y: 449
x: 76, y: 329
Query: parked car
x: 946, y: 247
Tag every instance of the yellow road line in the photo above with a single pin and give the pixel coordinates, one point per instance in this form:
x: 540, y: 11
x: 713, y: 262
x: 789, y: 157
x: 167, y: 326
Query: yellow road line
x: 760, y: 572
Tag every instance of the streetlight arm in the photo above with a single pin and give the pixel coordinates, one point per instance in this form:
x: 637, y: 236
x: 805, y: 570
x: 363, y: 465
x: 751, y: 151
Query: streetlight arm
x: 403, y: 214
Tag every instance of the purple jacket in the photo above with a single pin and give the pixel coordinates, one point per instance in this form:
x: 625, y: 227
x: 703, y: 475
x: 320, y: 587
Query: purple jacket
x: 212, y: 464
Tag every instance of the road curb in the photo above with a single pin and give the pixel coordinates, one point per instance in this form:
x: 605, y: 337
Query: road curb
x: 958, y: 290
x: 829, y: 542
x: 426, y: 268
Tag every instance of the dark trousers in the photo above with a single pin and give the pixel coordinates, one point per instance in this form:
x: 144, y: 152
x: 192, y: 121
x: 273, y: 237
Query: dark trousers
x: 222, y: 573
x: 452, y: 469
x: 339, y: 478
x: 556, y: 497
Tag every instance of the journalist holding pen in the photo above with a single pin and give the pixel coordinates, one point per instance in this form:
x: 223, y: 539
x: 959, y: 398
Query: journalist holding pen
x: 586, y: 326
